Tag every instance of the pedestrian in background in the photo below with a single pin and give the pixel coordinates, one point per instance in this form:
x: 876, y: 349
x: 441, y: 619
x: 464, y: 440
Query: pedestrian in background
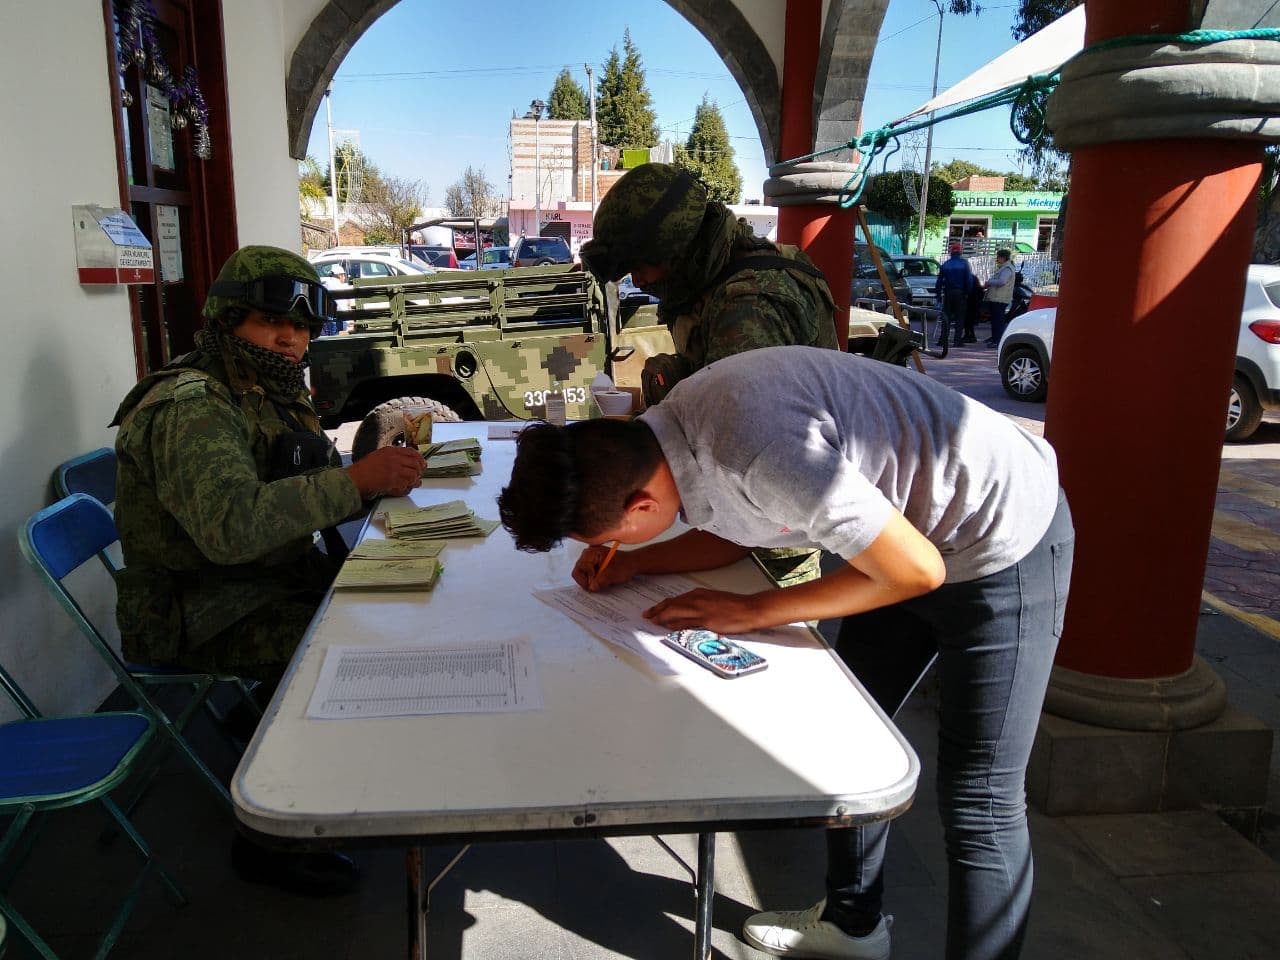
x: 1000, y: 294
x: 954, y: 284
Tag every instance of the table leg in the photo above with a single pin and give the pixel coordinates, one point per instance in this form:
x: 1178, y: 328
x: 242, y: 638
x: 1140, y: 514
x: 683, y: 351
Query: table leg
x: 706, y: 894
x: 415, y: 866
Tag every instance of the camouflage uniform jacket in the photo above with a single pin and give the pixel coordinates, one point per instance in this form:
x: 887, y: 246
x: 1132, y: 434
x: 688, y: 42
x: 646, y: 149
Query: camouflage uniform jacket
x: 753, y: 308
x: 207, y: 540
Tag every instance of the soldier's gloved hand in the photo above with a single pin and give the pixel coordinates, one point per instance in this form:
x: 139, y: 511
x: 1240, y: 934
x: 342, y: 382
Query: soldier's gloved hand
x: 388, y: 471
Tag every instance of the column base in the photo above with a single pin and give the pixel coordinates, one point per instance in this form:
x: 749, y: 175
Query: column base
x: 1190, y: 699
x: 1106, y: 745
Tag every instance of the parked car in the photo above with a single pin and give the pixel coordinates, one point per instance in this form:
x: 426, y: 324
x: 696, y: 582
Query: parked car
x: 495, y: 258
x: 628, y: 292
x: 540, y: 251
x: 866, y: 279
x: 1027, y: 346
x: 386, y: 250
x: 369, y: 265
x: 921, y: 274
x: 440, y: 257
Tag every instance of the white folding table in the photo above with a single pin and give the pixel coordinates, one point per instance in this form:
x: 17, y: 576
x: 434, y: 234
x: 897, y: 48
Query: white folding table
x: 617, y: 748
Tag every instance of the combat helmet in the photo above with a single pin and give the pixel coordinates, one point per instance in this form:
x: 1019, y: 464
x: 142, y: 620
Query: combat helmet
x: 650, y: 216
x: 271, y: 279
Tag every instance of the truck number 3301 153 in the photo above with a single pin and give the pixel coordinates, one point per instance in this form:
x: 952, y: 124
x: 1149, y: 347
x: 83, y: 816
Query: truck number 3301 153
x: 536, y: 398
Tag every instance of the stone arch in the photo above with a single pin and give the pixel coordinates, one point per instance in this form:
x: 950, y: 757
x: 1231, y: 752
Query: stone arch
x: 848, y: 40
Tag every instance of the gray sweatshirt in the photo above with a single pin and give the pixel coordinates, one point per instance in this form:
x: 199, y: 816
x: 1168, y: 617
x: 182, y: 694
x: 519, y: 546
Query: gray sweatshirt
x: 792, y: 446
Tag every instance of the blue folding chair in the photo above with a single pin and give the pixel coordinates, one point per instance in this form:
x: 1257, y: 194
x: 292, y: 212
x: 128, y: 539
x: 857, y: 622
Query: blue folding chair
x: 93, y: 473
x: 59, y: 540
x: 51, y: 763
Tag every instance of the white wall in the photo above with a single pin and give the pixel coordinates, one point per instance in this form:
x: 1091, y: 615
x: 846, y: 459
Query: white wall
x: 266, y: 177
x: 68, y: 350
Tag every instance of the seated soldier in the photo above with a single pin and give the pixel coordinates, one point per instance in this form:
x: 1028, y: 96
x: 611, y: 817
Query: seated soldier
x: 224, y: 477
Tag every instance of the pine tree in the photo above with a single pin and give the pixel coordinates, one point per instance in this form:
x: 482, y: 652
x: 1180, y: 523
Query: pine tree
x: 568, y: 101
x: 708, y: 155
x: 624, y: 116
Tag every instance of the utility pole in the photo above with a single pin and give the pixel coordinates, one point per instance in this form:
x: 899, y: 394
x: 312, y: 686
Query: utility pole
x: 595, y: 147
x: 333, y: 161
x: 928, y: 144
x: 535, y: 110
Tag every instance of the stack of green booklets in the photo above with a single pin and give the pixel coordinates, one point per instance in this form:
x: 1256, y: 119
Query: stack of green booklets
x: 440, y: 521
x: 451, y: 458
x: 391, y: 565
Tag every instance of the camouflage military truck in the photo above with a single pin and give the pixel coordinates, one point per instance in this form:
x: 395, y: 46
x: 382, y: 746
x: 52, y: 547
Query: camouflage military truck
x: 490, y: 346
x: 475, y: 346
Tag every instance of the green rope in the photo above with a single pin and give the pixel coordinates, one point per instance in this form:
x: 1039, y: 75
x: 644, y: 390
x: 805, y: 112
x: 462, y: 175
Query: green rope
x: 1027, y: 99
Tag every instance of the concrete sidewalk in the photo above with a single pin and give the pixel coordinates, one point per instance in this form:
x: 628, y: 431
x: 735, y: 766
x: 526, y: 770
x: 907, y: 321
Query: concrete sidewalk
x: 1173, y: 886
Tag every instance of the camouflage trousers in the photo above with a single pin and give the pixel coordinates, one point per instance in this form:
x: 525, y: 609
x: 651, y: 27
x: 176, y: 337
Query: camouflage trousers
x: 788, y: 566
x: 259, y: 646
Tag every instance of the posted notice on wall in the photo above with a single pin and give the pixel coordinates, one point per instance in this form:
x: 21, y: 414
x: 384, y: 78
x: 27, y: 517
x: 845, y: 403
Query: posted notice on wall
x: 169, y: 241
x: 110, y: 249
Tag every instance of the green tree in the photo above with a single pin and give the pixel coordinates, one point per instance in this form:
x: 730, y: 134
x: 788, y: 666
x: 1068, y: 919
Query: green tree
x: 624, y: 116
x: 956, y: 170
x: 886, y: 195
x: 708, y: 155
x: 1020, y: 181
x: 389, y: 206
x: 311, y: 181
x: 471, y: 195
x: 567, y: 101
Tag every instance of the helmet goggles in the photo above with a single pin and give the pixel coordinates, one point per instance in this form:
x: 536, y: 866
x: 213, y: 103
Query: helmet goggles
x: 279, y: 296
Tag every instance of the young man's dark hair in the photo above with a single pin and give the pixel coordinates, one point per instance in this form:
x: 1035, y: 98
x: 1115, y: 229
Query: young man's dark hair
x: 544, y: 503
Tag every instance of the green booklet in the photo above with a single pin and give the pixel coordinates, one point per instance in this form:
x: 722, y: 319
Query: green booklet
x: 364, y: 574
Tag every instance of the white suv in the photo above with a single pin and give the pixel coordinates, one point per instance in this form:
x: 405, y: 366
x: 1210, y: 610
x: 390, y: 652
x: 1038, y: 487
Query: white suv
x: 1027, y: 345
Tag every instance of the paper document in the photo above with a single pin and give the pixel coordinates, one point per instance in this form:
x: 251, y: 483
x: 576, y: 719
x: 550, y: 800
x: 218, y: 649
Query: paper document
x: 615, y: 614
x: 436, y: 522
x: 374, y: 549
x: 420, y: 681
x: 413, y: 573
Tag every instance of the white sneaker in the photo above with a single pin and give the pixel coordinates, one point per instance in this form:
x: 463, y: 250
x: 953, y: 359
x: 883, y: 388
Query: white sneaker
x: 802, y: 933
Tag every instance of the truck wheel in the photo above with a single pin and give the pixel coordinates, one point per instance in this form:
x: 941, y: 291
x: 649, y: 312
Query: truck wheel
x: 384, y: 427
x: 1244, y: 412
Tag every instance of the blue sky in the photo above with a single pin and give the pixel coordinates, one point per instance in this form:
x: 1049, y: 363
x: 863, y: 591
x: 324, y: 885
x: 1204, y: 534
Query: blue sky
x: 431, y: 86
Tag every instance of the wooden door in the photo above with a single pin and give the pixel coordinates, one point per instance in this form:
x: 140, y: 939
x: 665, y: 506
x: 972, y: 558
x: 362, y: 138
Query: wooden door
x: 182, y: 202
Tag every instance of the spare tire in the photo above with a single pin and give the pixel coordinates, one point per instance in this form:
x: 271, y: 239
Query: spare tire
x: 384, y: 427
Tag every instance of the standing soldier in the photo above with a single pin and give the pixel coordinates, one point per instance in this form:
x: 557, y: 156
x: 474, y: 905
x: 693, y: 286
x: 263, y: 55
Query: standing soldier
x: 721, y: 289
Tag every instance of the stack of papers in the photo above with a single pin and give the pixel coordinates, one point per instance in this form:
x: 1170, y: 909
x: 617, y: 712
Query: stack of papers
x: 451, y: 458
x: 358, y: 573
x: 441, y: 521
x: 468, y: 445
x: 396, y: 549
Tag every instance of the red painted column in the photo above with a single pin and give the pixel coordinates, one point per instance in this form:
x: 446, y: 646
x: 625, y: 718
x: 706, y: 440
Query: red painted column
x: 1159, y: 233
x: 823, y: 231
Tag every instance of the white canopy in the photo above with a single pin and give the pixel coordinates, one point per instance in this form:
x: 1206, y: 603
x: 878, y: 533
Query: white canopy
x: 1042, y: 52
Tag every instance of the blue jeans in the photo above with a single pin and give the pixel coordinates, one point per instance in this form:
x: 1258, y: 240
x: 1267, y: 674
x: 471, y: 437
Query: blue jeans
x: 996, y: 312
x: 994, y: 640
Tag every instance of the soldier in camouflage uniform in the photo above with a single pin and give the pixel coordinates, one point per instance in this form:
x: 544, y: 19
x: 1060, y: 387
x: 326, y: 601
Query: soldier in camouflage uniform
x: 721, y: 289
x: 224, y: 477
